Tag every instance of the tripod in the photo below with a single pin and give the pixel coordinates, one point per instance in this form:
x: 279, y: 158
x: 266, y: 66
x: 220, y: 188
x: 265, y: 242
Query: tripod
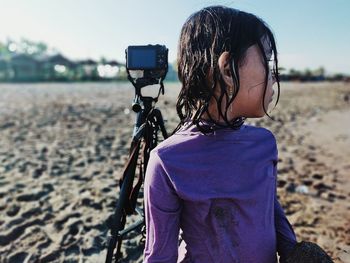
x: 149, y: 121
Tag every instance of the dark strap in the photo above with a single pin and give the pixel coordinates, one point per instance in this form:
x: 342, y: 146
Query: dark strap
x: 135, y: 191
x: 131, y: 164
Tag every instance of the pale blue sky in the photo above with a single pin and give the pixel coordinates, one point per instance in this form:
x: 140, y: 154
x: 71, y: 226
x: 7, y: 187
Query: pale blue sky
x: 309, y: 33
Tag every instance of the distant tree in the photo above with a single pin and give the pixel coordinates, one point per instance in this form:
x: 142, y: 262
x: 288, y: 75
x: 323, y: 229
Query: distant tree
x: 320, y: 71
x: 4, y: 51
x: 103, y: 60
x: 338, y: 77
x: 2, y: 48
x: 281, y: 70
x: 31, y: 47
x: 294, y: 74
x: 24, y: 46
x: 307, y: 73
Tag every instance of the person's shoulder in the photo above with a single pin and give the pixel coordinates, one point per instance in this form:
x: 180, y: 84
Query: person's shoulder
x: 260, y: 133
x: 264, y: 139
x: 164, y: 153
x: 168, y: 145
x: 177, y: 144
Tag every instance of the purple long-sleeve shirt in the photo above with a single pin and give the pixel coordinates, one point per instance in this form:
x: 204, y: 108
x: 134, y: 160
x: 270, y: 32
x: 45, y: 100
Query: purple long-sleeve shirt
x: 220, y: 189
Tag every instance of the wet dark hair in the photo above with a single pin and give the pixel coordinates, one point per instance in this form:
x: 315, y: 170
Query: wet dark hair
x: 204, y: 37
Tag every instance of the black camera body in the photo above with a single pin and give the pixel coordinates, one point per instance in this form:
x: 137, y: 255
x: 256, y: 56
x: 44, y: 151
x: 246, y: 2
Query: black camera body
x: 146, y: 65
x: 146, y: 57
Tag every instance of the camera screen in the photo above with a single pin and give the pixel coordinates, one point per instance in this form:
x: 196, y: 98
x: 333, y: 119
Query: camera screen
x: 141, y: 58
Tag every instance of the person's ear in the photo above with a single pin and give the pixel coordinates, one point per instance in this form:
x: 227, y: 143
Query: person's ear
x: 224, y: 68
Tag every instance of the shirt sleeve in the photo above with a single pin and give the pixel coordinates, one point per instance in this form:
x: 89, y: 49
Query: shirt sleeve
x: 286, y: 239
x: 162, y: 212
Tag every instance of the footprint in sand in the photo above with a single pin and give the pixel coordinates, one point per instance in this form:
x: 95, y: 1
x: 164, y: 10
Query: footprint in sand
x: 13, y: 210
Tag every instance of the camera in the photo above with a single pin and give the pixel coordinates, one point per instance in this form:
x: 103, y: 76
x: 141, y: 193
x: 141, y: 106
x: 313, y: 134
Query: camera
x: 146, y: 65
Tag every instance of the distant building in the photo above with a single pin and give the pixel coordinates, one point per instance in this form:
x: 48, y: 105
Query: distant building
x: 4, y: 69
x: 22, y: 67
x: 111, y: 70
x: 57, y: 68
x: 87, y: 70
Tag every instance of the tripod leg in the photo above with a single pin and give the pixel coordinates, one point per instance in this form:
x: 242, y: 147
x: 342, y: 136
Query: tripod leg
x: 121, y: 207
x: 160, y: 122
x: 118, y: 254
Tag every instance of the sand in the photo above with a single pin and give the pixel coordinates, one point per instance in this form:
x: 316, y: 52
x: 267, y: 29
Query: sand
x: 63, y: 147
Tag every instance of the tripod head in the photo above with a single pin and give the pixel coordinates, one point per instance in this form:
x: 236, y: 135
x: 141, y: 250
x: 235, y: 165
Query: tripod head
x: 145, y: 102
x: 146, y: 65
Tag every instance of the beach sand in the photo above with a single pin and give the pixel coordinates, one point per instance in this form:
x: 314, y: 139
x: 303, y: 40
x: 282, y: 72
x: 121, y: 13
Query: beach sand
x: 63, y: 148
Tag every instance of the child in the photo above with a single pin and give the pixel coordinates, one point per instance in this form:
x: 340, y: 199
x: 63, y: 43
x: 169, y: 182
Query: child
x: 215, y: 178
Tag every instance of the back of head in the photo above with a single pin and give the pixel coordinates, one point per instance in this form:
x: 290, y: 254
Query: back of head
x: 204, y: 37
